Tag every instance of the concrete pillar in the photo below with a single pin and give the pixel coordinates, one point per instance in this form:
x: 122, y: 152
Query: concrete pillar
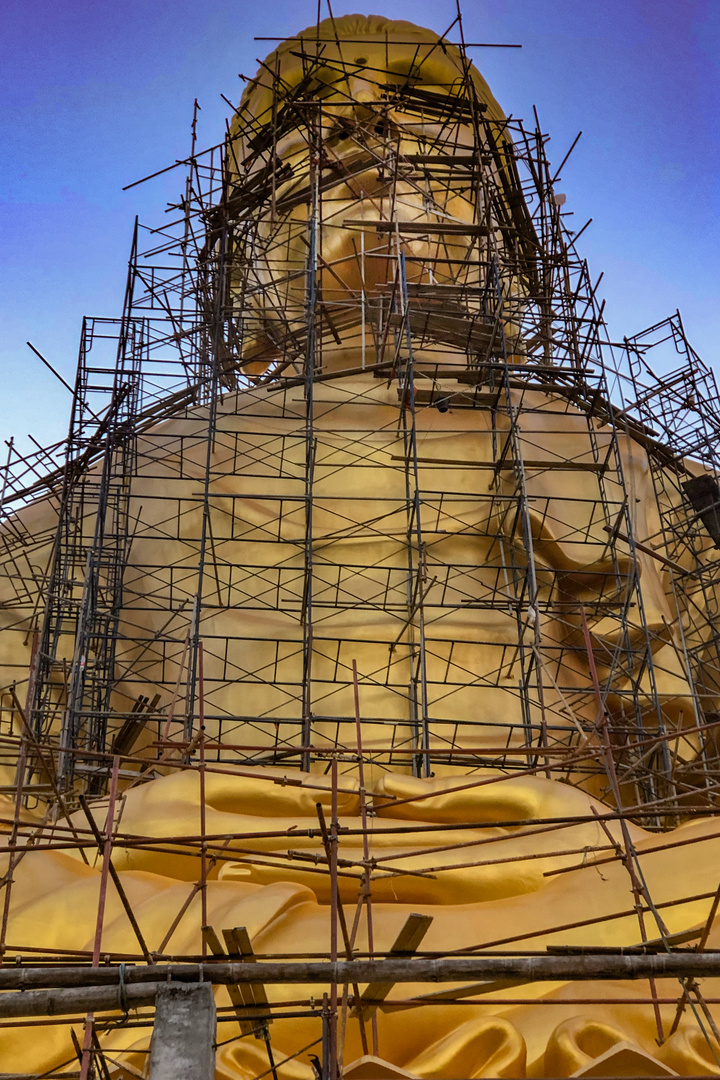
x: 183, y: 1041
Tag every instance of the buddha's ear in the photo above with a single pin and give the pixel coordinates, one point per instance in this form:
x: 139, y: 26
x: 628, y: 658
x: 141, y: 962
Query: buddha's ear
x: 254, y: 369
x: 258, y: 357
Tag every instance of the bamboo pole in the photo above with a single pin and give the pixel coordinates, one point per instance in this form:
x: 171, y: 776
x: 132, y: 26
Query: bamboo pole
x: 539, y: 968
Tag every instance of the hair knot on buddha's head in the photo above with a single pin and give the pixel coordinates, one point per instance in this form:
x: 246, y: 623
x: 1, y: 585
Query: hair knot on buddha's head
x: 387, y: 51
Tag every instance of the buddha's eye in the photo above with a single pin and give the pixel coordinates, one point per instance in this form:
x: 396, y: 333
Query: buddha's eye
x: 327, y: 75
x: 322, y: 81
x: 406, y: 70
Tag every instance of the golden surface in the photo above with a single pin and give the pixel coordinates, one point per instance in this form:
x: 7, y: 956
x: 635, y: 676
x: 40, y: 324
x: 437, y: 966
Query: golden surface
x: 284, y: 910
x: 493, y: 889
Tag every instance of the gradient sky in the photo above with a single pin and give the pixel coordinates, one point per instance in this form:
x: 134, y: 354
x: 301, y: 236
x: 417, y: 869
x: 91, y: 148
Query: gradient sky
x: 96, y: 94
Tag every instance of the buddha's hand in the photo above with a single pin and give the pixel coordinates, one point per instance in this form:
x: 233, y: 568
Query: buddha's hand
x: 256, y: 810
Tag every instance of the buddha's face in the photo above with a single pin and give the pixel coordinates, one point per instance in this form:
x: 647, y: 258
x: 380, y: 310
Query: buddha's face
x: 348, y: 150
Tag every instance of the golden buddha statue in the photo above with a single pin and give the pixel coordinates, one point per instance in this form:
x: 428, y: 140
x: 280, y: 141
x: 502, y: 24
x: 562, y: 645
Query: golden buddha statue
x: 386, y: 565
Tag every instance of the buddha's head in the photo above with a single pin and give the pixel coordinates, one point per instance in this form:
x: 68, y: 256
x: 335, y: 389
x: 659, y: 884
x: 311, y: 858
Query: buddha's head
x: 352, y: 60
x: 359, y: 120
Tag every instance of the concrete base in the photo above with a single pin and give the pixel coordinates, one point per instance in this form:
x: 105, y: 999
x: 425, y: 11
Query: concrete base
x: 183, y: 1042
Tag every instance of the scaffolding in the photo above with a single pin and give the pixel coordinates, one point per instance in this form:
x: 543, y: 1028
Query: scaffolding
x: 351, y: 494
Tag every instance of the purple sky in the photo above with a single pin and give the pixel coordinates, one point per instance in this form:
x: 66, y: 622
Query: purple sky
x: 97, y: 94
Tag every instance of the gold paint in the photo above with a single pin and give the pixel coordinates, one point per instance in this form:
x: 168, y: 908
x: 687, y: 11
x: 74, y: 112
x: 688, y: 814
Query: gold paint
x: 493, y: 888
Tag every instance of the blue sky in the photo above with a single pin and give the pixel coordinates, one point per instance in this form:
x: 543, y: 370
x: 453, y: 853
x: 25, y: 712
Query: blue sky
x: 96, y: 94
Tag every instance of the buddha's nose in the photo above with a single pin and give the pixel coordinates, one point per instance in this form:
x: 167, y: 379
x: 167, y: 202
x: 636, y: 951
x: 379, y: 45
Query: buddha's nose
x: 363, y: 94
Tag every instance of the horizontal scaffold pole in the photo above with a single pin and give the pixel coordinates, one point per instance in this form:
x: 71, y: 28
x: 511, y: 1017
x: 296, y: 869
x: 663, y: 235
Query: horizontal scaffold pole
x: 84, y: 989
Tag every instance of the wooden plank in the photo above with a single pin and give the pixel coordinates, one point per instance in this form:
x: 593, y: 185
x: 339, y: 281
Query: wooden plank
x: 506, y: 464
x: 440, y: 228
x: 134, y: 724
x: 241, y: 996
x: 406, y: 943
x: 462, y: 160
x: 565, y: 466
x: 237, y: 942
x: 453, y: 400
x: 459, y: 329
